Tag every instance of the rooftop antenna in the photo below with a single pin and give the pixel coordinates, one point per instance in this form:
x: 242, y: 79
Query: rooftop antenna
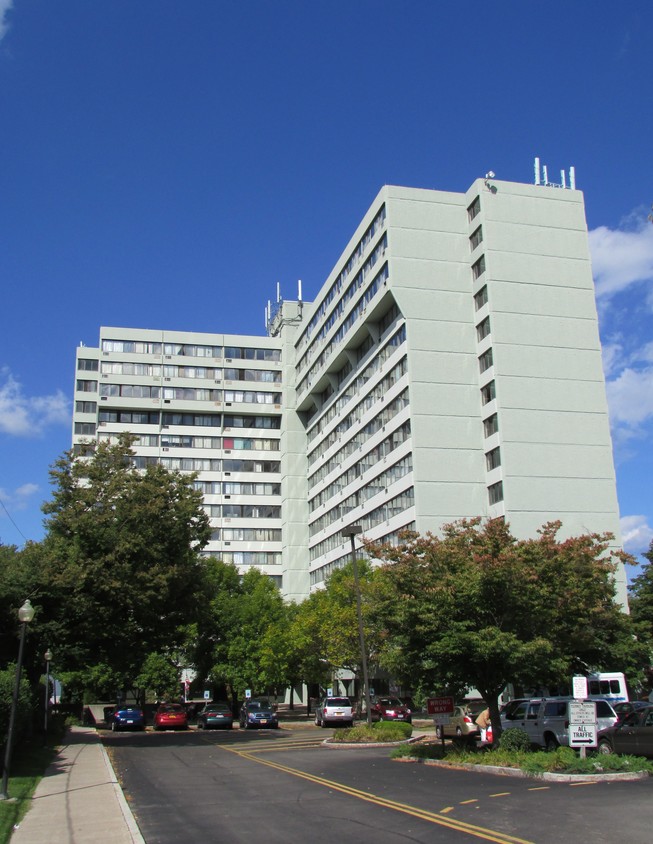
x: 537, y: 171
x: 278, y: 292
x: 572, y: 178
x: 299, y: 290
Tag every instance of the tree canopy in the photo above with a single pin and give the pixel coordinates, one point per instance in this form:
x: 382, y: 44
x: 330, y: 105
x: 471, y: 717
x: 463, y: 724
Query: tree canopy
x: 481, y: 608
x: 121, y: 569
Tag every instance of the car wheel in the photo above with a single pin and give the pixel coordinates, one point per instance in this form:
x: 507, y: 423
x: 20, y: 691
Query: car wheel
x: 605, y: 747
x: 459, y: 732
x: 323, y: 723
x: 438, y: 732
x: 113, y: 727
x: 551, y: 743
x: 317, y: 720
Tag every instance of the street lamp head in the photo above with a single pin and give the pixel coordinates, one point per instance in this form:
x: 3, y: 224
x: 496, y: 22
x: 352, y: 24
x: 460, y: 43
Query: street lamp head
x: 352, y: 530
x: 26, y: 613
x: 48, y: 655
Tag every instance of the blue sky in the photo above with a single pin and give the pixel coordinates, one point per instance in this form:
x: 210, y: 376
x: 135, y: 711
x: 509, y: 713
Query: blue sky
x: 165, y: 164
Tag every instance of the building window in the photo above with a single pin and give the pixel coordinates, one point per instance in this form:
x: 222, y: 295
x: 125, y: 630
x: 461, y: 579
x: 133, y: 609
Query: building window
x: 493, y: 459
x: 474, y: 209
x: 491, y: 425
x: 476, y: 238
x: 86, y: 429
x: 488, y: 393
x: 85, y: 407
x: 478, y: 267
x: 485, y: 361
x: 86, y: 386
x: 88, y: 365
x: 483, y: 329
x: 495, y: 493
x: 481, y: 298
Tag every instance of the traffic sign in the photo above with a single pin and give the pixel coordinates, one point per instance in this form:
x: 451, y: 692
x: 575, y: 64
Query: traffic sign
x: 582, y: 735
x: 440, y: 706
x: 582, y: 713
x: 442, y: 720
x: 579, y: 684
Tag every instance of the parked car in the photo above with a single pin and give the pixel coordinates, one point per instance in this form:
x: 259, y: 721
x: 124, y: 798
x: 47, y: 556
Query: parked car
x: 461, y: 724
x: 633, y: 735
x: 334, y: 710
x: 217, y: 714
x: 124, y: 717
x: 389, y: 709
x: 624, y: 708
x: 257, y: 713
x: 170, y: 716
x: 547, y: 720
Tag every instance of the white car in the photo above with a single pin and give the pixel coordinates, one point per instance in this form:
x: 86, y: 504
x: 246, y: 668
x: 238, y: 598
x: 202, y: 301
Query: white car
x: 334, y: 710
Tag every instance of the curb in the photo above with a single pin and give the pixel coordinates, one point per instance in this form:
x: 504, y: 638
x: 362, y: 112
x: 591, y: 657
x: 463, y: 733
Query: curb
x: 548, y: 776
x: 127, y: 814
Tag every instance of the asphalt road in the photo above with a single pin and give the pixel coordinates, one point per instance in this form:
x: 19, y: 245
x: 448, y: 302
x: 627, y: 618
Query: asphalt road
x: 284, y: 786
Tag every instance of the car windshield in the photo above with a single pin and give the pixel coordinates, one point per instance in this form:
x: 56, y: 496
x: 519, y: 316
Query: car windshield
x: 257, y: 704
x: 171, y: 709
x: 217, y: 707
x: 390, y: 701
x: 337, y: 701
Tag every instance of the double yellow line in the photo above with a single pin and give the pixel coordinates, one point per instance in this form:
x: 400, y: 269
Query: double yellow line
x: 422, y: 814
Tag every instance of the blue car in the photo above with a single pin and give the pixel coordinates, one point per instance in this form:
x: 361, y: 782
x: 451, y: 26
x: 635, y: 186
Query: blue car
x: 127, y: 718
x: 255, y: 714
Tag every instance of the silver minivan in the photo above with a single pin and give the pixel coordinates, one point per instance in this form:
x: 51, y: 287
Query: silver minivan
x: 334, y: 710
x: 547, y: 721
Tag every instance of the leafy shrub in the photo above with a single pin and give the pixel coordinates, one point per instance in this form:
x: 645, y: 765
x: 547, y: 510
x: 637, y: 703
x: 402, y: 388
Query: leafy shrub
x: 514, y: 738
x: 382, y: 731
x: 24, y: 707
x: 417, y: 751
x: 392, y: 730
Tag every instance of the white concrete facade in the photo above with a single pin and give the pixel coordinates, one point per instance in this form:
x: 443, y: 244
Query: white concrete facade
x: 449, y: 367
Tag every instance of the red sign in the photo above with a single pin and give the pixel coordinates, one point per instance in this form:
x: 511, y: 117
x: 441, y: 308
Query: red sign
x: 440, y: 706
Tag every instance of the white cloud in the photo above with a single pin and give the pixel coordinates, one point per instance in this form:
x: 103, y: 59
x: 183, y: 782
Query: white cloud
x: 621, y: 258
x: 5, y: 8
x: 24, y: 416
x: 19, y: 499
x: 630, y: 397
x: 636, y: 533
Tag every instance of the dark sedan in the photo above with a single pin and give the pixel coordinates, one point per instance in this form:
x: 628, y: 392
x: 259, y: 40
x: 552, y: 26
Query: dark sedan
x: 255, y: 714
x: 632, y: 736
x: 217, y: 715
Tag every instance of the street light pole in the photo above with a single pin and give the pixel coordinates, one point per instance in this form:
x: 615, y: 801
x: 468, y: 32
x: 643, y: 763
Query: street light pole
x: 25, y: 615
x: 352, y: 531
x: 47, y: 656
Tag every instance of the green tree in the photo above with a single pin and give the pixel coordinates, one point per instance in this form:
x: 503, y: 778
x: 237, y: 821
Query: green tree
x: 160, y: 676
x: 479, y: 608
x: 121, y: 575
x: 326, y: 626
x: 641, y: 609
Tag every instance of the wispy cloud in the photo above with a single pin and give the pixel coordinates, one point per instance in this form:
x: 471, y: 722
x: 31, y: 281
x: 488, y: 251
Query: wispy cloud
x: 636, y: 533
x: 29, y: 416
x: 5, y: 8
x: 622, y: 257
x: 17, y: 499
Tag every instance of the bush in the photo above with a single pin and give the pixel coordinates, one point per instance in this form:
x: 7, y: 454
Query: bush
x: 514, y: 738
x: 382, y: 731
x: 392, y: 730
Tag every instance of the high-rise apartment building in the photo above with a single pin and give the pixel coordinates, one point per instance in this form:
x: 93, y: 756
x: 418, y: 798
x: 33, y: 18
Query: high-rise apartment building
x: 449, y: 367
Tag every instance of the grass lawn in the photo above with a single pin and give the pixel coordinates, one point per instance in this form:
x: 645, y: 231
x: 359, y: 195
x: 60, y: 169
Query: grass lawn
x: 30, y: 760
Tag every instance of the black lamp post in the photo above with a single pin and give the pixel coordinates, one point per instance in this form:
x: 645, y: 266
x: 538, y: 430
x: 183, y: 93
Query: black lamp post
x: 48, y: 657
x: 25, y: 615
x: 352, y: 531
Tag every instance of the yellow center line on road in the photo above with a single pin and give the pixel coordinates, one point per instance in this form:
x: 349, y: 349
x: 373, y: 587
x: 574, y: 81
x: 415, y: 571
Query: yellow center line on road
x: 500, y: 794
x: 540, y: 788
x: 422, y: 814
x: 465, y: 802
x: 575, y: 784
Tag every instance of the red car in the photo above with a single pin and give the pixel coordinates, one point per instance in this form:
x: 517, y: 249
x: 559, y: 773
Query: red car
x: 170, y: 716
x: 390, y: 709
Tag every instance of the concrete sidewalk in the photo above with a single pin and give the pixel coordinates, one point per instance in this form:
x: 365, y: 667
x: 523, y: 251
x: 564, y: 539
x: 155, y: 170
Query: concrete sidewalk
x: 79, y: 799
